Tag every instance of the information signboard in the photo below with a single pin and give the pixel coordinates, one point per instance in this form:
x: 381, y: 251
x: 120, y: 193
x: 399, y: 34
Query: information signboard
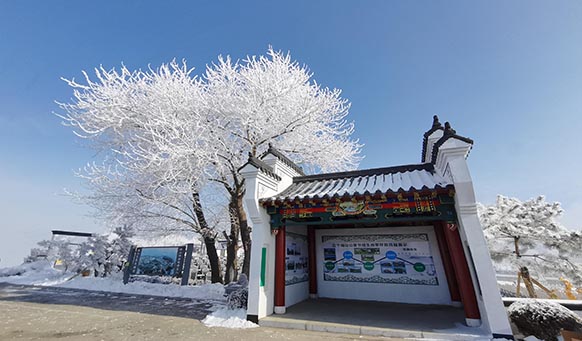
x: 158, y: 261
x: 379, y: 258
x: 296, y: 259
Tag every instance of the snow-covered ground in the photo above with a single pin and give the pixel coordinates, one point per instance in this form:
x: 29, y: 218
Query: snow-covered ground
x: 42, y: 274
x: 229, y: 318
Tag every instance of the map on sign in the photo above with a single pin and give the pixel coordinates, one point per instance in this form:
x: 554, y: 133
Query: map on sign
x: 382, y: 258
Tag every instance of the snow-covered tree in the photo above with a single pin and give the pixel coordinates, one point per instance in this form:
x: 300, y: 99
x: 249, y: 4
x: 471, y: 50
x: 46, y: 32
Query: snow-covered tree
x: 148, y: 127
x: 93, y: 256
x: 171, y: 140
x: 101, y: 254
x: 528, y: 234
x: 120, y: 241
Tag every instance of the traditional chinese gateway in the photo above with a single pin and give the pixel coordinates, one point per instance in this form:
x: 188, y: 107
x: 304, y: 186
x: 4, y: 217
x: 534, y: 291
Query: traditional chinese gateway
x: 407, y: 234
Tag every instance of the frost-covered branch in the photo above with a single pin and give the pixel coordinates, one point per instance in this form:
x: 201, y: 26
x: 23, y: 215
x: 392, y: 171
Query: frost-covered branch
x: 529, y: 234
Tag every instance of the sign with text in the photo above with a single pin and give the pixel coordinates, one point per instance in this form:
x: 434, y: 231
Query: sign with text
x: 381, y: 258
x: 158, y: 261
x: 296, y: 259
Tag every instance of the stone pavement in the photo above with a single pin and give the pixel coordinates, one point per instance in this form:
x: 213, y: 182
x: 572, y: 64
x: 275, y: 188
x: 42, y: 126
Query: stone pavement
x: 34, y: 313
x: 412, y: 321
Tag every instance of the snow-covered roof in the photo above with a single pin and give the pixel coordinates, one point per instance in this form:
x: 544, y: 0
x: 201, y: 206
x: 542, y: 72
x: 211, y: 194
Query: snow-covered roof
x: 276, y: 153
x: 363, y: 182
x: 258, y: 163
x: 261, y: 165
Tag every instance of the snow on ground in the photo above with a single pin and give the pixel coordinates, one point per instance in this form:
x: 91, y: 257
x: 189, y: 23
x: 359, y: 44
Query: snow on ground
x: 461, y: 329
x: 229, y: 318
x: 42, y: 274
x: 113, y: 284
x: 35, y: 273
x: 570, y: 303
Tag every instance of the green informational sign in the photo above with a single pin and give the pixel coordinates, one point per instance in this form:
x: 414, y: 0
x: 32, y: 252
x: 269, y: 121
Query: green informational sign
x: 329, y: 265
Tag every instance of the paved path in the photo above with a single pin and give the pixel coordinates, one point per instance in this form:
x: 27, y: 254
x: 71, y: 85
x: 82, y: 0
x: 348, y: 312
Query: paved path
x: 168, y: 306
x: 35, y: 313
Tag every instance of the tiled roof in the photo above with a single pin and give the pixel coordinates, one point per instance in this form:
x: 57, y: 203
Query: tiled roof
x: 364, y: 182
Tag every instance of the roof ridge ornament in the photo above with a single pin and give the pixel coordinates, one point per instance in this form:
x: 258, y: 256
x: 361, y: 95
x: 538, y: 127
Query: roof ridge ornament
x: 449, y: 130
x: 436, y: 125
x: 435, y: 122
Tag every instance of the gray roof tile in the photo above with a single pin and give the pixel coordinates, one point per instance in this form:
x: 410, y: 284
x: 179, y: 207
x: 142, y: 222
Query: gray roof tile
x: 363, y: 182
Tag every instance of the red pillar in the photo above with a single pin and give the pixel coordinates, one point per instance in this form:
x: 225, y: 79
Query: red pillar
x: 312, y: 263
x: 462, y: 272
x: 447, y: 263
x: 280, y: 252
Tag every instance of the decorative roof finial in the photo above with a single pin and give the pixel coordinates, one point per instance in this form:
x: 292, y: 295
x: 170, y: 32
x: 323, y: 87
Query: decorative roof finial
x: 449, y: 130
x: 435, y: 122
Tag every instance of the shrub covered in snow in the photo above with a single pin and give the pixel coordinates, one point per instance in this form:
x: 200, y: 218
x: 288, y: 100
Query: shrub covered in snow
x: 100, y: 254
x: 238, y: 299
x: 543, y: 319
x: 238, y: 293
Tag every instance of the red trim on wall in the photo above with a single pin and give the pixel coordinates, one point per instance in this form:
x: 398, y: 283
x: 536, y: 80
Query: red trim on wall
x: 280, y: 251
x: 312, y: 263
x: 447, y: 263
x: 462, y: 272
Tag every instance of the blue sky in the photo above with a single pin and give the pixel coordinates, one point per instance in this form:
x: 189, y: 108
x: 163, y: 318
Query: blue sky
x: 506, y: 73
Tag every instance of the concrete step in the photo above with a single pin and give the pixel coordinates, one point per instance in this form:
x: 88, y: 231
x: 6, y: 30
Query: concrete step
x: 287, y: 323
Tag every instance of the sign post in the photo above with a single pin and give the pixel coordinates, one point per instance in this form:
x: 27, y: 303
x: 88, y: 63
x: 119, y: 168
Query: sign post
x: 187, y: 264
x: 128, y: 265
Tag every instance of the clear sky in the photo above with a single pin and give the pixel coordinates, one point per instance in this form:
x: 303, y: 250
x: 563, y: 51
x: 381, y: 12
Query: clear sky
x: 506, y: 73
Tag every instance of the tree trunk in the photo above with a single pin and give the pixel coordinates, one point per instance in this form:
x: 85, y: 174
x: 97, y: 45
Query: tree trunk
x: 516, y: 246
x: 209, y: 239
x: 231, y: 271
x: 210, y: 244
x: 245, y: 233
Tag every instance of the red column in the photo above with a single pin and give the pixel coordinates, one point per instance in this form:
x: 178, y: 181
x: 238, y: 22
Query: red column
x: 447, y: 263
x: 280, y: 252
x: 462, y: 272
x: 312, y: 263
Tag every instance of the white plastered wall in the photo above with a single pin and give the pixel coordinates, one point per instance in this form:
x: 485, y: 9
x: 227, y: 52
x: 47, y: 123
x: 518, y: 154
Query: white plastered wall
x: 451, y: 163
x: 259, y: 185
